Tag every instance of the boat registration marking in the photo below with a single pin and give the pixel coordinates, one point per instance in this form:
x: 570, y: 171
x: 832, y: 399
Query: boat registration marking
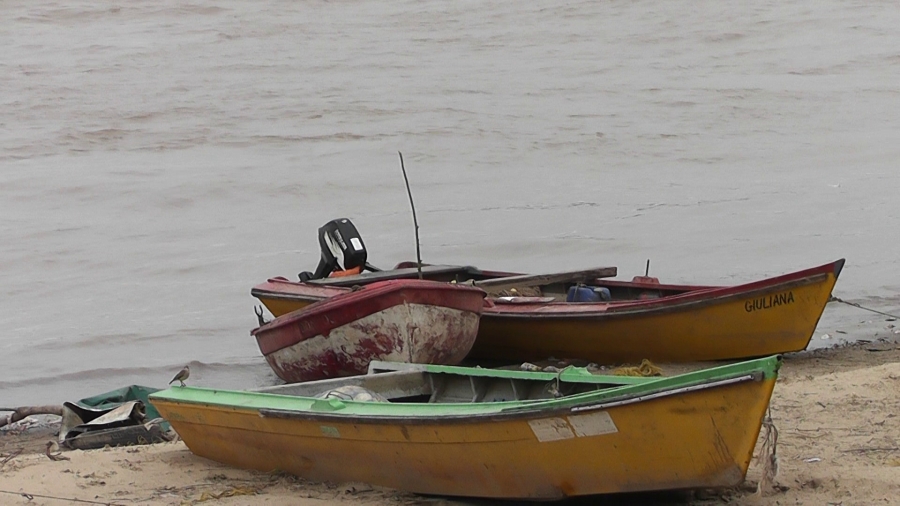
x: 593, y: 424
x: 329, y: 431
x: 551, y: 429
x: 586, y: 425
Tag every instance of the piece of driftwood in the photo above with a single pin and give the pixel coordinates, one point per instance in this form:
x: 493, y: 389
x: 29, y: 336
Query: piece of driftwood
x: 498, y: 284
x: 7, y: 457
x: 26, y: 411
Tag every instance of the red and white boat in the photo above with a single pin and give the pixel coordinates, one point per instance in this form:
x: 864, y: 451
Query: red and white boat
x: 404, y: 320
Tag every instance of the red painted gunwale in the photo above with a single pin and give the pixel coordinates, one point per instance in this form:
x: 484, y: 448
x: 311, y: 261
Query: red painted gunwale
x: 695, y: 295
x: 280, y: 288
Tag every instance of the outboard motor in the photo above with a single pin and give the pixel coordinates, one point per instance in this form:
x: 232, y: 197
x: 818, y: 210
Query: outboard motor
x: 342, y: 250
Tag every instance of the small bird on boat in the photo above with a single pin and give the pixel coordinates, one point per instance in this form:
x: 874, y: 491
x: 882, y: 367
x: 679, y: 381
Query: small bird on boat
x: 182, y: 375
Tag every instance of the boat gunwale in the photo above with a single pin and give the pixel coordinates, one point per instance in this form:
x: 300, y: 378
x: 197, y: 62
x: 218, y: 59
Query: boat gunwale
x: 673, y: 303
x: 370, y: 300
x: 531, y: 410
x: 273, y: 295
x: 661, y: 305
x: 408, y: 273
x: 756, y: 370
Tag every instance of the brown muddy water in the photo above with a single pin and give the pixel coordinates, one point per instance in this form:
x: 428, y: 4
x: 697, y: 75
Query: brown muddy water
x: 159, y: 158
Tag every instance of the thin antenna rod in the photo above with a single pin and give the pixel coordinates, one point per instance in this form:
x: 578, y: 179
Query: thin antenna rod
x: 647, y: 270
x: 415, y: 221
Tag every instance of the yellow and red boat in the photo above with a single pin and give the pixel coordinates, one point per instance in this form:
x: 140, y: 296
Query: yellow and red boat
x: 665, y: 323
x: 489, y: 433
x: 632, y: 320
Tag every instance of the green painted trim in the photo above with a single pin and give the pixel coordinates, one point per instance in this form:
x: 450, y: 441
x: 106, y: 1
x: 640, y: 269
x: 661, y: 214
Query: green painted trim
x: 243, y: 400
x: 582, y: 375
x: 568, y: 375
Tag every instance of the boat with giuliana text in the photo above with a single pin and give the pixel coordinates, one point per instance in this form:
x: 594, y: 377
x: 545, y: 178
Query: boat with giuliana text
x: 476, y: 432
x: 662, y: 322
x: 586, y: 315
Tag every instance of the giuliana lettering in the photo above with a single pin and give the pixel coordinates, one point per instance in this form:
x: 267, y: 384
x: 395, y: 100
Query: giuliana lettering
x: 770, y: 301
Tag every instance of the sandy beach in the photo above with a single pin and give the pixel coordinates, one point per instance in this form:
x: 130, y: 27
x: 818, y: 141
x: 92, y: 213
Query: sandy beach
x: 835, y: 410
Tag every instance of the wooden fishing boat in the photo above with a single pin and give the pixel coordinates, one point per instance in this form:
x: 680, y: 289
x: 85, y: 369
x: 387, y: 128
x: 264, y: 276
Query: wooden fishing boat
x: 642, y: 318
x: 665, y: 323
x: 403, y: 320
x: 489, y: 433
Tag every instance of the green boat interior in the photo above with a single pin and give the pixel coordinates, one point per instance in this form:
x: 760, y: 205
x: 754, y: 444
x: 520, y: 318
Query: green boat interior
x: 417, y: 383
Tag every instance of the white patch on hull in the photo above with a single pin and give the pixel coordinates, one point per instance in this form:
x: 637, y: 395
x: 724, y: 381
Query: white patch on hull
x: 415, y: 333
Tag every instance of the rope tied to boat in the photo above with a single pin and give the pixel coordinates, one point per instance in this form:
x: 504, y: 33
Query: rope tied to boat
x: 768, y: 456
x: 854, y: 304
x: 558, y: 392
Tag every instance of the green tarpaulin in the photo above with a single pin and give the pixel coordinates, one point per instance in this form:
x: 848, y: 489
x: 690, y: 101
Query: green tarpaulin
x: 113, y: 398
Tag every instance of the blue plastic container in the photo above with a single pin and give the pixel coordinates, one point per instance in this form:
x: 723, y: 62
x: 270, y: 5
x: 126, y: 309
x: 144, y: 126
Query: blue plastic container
x: 603, y: 292
x: 581, y: 293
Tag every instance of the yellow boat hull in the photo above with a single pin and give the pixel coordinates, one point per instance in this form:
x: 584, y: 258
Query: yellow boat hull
x: 779, y: 318
x: 702, y: 438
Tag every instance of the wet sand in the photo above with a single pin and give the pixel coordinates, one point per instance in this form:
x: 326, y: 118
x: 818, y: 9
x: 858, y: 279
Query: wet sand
x: 835, y: 410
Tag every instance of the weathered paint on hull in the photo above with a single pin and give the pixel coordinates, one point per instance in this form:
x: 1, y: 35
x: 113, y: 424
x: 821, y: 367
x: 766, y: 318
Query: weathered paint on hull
x: 696, y: 439
x: 414, y: 333
x: 400, y: 320
x: 777, y: 320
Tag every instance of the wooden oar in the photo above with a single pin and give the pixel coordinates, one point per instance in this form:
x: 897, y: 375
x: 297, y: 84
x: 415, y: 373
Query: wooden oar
x: 497, y: 284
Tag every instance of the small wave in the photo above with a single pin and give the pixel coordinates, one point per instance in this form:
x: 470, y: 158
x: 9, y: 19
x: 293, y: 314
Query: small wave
x: 880, y: 301
x: 724, y: 37
x: 691, y: 204
x: 278, y: 139
x: 98, y: 340
x: 189, y: 9
x: 127, y: 372
x: 70, y: 14
x: 710, y: 160
x: 525, y: 207
x: 78, y: 376
x: 144, y: 116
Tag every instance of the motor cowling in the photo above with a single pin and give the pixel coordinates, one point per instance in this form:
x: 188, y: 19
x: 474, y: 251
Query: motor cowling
x: 342, y: 250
